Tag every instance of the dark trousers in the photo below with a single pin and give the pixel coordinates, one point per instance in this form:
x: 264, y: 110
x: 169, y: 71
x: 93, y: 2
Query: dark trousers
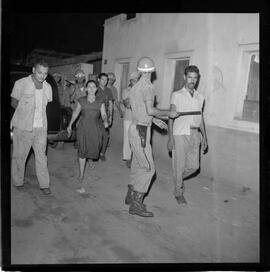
x: 105, y: 139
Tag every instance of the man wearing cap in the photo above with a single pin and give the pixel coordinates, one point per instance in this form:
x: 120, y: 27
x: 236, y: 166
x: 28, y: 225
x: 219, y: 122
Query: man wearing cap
x: 79, y: 89
x: 133, y: 79
x: 142, y: 166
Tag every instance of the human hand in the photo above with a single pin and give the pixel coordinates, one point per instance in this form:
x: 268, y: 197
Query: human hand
x: 173, y: 114
x: 204, y: 145
x: 109, y: 121
x: 170, y: 144
x: 69, y: 131
x: 161, y: 124
x: 105, y: 124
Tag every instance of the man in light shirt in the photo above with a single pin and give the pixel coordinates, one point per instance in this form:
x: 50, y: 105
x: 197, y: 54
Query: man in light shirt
x: 186, y: 132
x: 127, y: 154
x: 30, y: 96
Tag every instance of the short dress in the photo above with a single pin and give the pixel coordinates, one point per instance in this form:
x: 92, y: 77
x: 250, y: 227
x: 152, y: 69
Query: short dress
x: 89, y: 131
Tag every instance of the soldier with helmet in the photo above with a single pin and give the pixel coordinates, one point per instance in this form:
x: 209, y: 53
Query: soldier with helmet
x: 79, y: 89
x: 143, y: 111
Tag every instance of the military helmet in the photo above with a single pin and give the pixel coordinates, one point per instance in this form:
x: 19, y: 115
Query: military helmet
x: 145, y: 64
x: 79, y: 73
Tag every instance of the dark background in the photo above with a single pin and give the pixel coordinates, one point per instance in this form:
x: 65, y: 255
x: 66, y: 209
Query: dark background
x: 76, y: 33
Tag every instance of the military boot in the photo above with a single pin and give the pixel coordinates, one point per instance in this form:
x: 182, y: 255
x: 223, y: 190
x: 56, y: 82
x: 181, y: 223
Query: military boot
x: 137, y: 207
x: 129, y: 196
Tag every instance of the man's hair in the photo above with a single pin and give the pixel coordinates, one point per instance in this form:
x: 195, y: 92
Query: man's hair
x: 91, y: 81
x: 192, y: 69
x: 41, y: 62
x: 101, y: 75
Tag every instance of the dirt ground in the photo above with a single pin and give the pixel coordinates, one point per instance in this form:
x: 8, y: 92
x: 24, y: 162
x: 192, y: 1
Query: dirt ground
x: 220, y: 223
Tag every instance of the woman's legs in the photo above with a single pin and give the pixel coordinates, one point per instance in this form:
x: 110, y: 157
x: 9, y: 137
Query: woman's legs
x: 81, y: 167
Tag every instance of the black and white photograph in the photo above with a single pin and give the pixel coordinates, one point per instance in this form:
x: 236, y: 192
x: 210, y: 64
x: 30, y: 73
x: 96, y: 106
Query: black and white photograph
x: 134, y: 138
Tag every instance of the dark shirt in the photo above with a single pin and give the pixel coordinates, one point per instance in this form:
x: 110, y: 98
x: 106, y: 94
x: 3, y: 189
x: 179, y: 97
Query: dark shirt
x: 105, y: 95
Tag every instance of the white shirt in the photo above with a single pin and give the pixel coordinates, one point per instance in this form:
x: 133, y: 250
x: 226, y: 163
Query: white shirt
x: 183, y: 101
x: 38, y: 108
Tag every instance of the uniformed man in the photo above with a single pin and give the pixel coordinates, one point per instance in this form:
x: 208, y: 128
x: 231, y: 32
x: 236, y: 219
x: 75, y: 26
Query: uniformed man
x: 142, y: 166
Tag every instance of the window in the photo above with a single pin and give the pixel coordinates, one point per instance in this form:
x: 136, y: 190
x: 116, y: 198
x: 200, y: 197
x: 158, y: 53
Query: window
x: 251, y: 101
x: 180, y: 66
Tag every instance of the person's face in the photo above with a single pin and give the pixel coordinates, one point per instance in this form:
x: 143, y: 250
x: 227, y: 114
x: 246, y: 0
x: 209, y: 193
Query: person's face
x: 103, y: 81
x: 191, y: 79
x: 111, y: 80
x: 91, y: 88
x: 40, y: 72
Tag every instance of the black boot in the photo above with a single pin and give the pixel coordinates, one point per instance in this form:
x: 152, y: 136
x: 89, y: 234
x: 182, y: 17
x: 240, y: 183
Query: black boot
x: 129, y: 196
x: 137, y: 207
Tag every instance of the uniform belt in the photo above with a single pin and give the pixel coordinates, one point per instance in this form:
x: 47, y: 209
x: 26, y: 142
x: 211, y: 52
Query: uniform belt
x: 194, y: 128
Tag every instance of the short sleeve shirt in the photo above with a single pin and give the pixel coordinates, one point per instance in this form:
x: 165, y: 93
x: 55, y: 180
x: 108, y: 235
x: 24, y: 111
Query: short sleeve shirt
x: 185, y: 102
x: 141, y: 92
x: 24, y: 91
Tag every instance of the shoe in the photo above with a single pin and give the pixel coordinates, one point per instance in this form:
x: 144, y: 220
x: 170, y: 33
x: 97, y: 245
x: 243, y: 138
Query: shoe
x: 181, y: 199
x: 46, y: 191
x: 20, y: 188
x: 137, y: 207
x: 102, y: 157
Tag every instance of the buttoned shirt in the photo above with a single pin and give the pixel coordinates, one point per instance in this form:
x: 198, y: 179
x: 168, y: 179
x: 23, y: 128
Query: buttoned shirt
x: 183, y: 101
x: 140, y: 93
x: 24, y: 91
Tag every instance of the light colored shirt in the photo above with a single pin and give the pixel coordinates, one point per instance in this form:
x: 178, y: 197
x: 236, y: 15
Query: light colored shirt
x: 141, y: 92
x: 127, y: 111
x: 24, y: 91
x: 183, y: 101
x: 38, y: 108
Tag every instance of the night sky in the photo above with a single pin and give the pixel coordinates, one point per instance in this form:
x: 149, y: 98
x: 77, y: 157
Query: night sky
x: 77, y: 33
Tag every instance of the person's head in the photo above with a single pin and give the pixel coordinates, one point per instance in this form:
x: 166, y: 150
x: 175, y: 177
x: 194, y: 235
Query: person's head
x: 145, y: 66
x: 79, y: 76
x: 40, y: 70
x: 111, y: 78
x: 102, y: 79
x: 191, y: 76
x: 91, y: 87
x: 133, y: 78
x: 57, y: 77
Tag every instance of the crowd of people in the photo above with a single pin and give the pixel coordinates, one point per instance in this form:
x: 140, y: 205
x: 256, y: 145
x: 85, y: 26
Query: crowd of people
x: 92, y: 104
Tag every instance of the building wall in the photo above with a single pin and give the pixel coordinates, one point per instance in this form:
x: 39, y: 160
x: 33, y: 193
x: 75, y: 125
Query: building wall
x: 217, y: 44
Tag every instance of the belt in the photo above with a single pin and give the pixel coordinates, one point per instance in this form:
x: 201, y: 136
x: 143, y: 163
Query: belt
x: 197, y: 128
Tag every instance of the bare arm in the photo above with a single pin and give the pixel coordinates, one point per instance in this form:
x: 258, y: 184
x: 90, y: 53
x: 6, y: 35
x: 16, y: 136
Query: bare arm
x: 14, y: 102
x: 104, y: 115
x: 204, y: 137
x: 75, y: 115
x: 161, y: 114
x: 170, y: 143
x: 110, y: 109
